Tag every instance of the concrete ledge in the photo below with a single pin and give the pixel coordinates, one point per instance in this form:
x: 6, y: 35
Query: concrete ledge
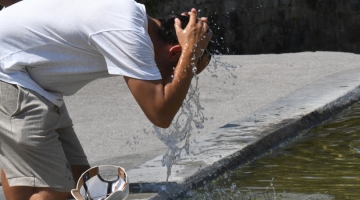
x: 244, y: 140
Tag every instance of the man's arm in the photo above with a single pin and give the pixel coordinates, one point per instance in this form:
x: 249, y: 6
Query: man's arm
x: 161, y: 99
x: 7, y: 3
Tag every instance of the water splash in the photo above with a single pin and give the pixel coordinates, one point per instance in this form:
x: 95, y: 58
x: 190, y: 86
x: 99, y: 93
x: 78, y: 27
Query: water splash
x: 216, y: 62
x: 190, y: 115
x: 176, y: 137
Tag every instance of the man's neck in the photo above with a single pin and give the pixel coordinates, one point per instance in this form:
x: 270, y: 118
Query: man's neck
x: 153, y: 29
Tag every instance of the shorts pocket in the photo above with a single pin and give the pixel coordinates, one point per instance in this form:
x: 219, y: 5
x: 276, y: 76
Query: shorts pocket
x: 35, y: 120
x: 9, y: 98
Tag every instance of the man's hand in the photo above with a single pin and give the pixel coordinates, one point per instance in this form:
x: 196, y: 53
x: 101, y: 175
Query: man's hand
x: 204, y: 56
x: 196, y: 35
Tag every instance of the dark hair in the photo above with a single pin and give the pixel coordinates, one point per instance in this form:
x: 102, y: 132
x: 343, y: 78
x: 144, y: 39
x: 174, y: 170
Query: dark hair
x: 167, y: 29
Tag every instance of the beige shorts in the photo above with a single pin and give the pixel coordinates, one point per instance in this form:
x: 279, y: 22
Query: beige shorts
x: 37, y: 141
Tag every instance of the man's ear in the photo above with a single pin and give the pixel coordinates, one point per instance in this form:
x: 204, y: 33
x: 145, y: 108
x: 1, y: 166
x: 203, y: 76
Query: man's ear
x: 175, y: 53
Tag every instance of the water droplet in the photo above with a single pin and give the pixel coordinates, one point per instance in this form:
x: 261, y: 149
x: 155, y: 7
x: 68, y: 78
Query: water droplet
x: 232, y: 187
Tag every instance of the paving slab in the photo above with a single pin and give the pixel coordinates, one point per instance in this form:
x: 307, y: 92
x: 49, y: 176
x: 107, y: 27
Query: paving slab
x: 270, y: 94
x: 244, y: 140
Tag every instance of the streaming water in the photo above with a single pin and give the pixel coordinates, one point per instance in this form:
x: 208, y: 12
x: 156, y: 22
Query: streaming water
x: 177, y: 136
x: 322, y: 164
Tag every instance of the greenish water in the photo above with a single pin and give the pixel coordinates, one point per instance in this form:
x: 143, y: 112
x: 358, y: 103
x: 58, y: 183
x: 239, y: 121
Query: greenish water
x: 322, y: 164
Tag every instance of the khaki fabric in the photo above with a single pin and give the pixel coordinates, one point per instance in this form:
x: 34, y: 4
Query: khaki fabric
x: 37, y: 141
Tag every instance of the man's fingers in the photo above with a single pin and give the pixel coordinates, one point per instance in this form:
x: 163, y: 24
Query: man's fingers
x: 192, y: 15
x: 204, y: 19
x: 205, y: 28
x: 198, y: 30
x: 177, y: 25
x: 207, y: 33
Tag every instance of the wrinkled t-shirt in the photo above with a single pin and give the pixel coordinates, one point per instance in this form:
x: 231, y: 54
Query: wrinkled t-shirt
x: 56, y: 47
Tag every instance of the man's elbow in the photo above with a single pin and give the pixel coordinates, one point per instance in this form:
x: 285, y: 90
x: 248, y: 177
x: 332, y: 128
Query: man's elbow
x: 162, y: 122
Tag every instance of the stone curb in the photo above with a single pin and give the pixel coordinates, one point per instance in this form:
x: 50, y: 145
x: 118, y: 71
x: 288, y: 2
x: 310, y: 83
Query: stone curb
x: 244, y: 140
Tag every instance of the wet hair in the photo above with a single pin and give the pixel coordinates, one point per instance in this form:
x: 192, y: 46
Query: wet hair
x: 167, y: 30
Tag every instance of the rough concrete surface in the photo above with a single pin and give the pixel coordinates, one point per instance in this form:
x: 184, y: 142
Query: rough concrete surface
x: 271, y: 95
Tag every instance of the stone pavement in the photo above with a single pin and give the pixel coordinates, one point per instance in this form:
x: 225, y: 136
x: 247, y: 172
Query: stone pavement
x: 272, y: 96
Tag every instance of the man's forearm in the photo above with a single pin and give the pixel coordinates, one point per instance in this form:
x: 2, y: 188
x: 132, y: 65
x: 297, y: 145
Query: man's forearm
x: 161, y: 99
x: 176, y: 89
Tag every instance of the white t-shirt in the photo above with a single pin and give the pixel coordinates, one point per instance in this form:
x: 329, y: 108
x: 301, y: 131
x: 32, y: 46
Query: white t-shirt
x: 56, y: 47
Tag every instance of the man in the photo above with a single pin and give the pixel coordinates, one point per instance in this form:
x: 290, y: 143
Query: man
x: 53, y: 48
